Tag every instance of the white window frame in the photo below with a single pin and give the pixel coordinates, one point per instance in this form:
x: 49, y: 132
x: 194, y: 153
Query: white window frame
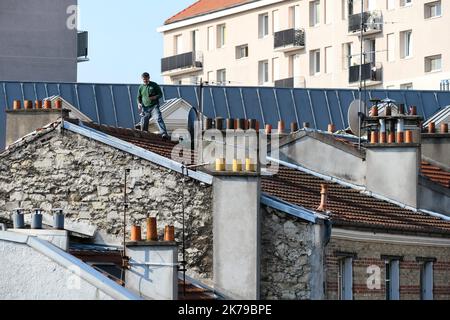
x: 221, y: 35
x: 263, y: 72
x: 390, y: 5
x: 406, y: 3
x: 428, y: 10
x: 211, y: 43
x: 178, y: 44
x: 315, y: 63
x: 221, y: 77
x: 314, y: 13
x: 430, y: 60
x: 263, y: 25
x: 390, y: 45
x: 407, y: 44
x: 242, y: 52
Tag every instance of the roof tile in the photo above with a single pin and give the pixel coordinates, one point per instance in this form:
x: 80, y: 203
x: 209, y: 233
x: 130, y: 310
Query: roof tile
x: 202, y: 7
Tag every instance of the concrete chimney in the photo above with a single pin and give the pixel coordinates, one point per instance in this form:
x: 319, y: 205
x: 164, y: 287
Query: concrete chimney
x: 153, y: 272
x: 236, y: 230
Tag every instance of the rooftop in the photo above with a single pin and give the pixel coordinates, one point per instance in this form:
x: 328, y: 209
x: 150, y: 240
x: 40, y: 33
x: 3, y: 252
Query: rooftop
x: 348, y: 207
x: 202, y: 7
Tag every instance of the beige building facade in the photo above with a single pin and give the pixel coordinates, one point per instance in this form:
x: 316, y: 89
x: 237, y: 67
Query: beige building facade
x: 312, y: 43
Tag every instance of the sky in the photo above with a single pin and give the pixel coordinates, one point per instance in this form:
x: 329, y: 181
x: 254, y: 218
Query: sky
x: 123, y: 41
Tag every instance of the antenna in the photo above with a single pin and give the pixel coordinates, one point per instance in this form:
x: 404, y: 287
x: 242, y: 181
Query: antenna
x: 355, y: 117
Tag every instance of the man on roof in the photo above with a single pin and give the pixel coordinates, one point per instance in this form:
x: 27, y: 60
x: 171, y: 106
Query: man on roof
x: 148, y: 97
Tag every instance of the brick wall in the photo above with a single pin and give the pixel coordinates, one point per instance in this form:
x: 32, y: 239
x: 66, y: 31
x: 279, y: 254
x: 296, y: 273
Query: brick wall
x: 369, y: 254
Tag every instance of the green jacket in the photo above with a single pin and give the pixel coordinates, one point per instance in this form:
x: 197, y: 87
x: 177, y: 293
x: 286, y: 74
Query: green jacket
x: 147, y: 91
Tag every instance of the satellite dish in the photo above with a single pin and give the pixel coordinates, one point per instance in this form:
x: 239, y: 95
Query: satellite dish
x: 353, y: 118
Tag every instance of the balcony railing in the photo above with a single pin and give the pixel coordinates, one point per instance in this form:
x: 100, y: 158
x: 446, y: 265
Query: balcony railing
x: 82, y: 46
x: 372, y: 20
x: 370, y: 72
x: 289, y: 39
x: 182, y: 62
x: 284, y: 83
x: 293, y: 82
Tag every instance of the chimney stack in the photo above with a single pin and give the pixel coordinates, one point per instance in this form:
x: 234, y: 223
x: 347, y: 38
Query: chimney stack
x: 323, y: 198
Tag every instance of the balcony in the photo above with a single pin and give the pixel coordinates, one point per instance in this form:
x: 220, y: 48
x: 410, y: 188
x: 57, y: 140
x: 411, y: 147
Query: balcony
x: 372, y: 74
x: 293, y: 82
x: 373, y: 23
x: 82, y: 46
x: 289, y: 40
x: 182, y: 63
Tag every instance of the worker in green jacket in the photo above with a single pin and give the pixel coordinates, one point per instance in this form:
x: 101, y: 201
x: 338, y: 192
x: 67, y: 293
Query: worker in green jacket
x: 148, y: 97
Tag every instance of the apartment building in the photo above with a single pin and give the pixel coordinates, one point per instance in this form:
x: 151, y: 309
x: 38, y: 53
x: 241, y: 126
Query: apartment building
x: 40, y: 41
x: 309, y: 43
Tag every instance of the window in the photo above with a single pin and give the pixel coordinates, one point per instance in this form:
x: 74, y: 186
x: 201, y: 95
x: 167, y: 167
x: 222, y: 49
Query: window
x: 328, y: 10
x: 406, y: 43
x: 294, y: 17
x: 406, y: 86
x: 328, y: 60
x: 345, y: 279
x: 371, y: 5
x: 276, y: 21
x: 210, y: 77
x: 263, y: 25
x: 221, y: 77
x: 242, y: 51
x: 263, y: 70
x: 294, y: 66
x: 346, y: 55
x: 210, y: 38
x: 194, y: 39
x: 178, y: 44
x: 433, y: 63
x: 275, y: 69
x: 405, y: 3
x: 314, y: 59
x: 390, y: 47
x: 433, y: 9
x: 426, y: 280
x: 221, y: 35
x: 390, y: 4
x: 392, y: 279
x: 314, y: 13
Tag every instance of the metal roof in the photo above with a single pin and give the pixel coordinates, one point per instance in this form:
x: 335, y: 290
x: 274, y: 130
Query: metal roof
x: 115, y: 104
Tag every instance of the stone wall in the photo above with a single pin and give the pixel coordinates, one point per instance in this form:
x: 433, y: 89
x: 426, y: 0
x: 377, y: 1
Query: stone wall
x: 286, y: 258
x: 369, y: 253
x: 86, y: 179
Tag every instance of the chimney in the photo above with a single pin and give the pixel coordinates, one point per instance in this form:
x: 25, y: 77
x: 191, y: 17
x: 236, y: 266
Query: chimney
x: 323, y: 198
x: 153, y: 265
x: 22, y: 121
x: 236, y: 228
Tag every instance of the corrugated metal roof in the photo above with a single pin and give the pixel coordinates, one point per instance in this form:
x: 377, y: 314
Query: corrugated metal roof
x: 115, y: 104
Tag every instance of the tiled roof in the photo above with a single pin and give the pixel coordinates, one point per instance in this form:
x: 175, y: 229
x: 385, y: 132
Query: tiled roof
x: 202, y: 7
x: 349, y: 207
x: 436, y: 174
x: 145, y: 140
